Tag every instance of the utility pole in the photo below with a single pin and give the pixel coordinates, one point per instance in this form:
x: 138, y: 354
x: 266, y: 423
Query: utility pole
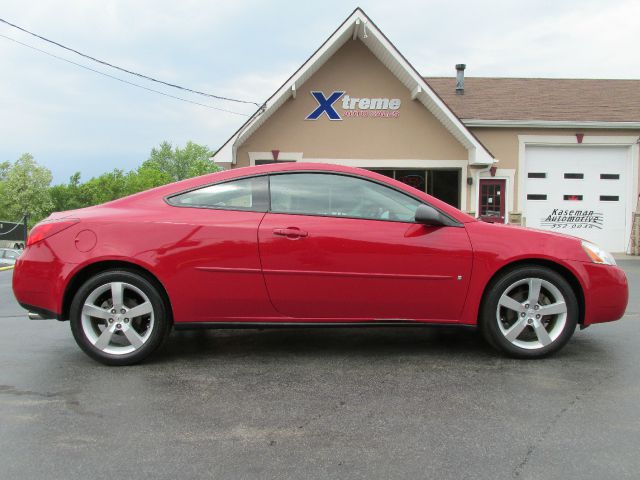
x: 26, y: 231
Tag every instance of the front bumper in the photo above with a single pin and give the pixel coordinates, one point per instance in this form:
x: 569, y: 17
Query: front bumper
x: 606, y: 292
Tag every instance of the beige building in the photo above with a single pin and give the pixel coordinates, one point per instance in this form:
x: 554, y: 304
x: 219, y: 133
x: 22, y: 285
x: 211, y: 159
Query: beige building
x: 557, y: 154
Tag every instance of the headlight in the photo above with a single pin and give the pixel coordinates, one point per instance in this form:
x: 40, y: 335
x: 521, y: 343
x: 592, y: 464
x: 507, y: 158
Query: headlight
x: 597, y: 254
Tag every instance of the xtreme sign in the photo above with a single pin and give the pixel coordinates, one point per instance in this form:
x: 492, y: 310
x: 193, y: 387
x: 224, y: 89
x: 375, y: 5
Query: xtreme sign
x: 353, y: 106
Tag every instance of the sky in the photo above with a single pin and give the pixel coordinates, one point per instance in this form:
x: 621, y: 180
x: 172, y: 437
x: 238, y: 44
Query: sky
x: 71, y: 119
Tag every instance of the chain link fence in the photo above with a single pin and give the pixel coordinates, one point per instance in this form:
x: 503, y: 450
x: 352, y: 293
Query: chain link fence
x: 13, y: 234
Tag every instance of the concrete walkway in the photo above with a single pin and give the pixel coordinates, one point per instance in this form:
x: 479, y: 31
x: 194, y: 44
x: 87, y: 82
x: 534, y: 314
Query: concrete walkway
x: 624, y: 256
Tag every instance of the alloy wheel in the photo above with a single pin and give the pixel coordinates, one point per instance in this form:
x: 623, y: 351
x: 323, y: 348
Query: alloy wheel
x: 117, y: 318
x: 531, y: 313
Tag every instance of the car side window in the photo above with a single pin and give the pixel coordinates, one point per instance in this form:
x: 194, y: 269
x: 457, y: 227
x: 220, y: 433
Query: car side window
x: 10, y: 255
x: 337, y: 195
x: 243, y: 194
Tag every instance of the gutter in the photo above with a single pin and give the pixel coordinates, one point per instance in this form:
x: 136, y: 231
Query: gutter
x: 471, y: 122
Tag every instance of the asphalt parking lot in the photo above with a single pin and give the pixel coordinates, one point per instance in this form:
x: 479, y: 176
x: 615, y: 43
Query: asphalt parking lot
x: 336, y: 403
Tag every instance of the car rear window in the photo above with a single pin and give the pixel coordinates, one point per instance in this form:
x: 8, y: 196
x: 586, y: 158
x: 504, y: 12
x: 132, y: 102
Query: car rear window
x: 243, y: 194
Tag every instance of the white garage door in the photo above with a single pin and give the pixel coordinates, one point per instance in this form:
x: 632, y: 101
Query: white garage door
x: 579, y: 190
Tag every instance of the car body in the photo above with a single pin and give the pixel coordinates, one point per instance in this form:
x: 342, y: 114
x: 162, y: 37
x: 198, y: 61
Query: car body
x: 312, y: 244
x: 8, y: 256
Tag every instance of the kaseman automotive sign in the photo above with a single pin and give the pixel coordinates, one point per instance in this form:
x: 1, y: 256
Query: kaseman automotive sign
x: 560, y: 219
x: 353, y: 106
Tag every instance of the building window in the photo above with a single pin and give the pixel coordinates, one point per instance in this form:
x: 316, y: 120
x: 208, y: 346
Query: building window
x: 442, y: 183
x: 609, y: 176
x: 574, y: 176
x: 267, y: 162
x: 573, y: 198
x: 414, y: 178
x: 536, y: 196
x: 609, y: 198
x: 537, y: 175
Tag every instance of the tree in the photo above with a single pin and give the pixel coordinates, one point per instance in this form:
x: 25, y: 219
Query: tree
x: 4, y: 169
x: 67, y: 197
x: 104, y: 188
x: 146, y: 177
x: 25, y: 189
x: 24, y: 185
x: 180, y: 163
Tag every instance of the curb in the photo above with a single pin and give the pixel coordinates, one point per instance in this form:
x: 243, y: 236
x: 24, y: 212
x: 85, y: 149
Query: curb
x: 6, y: 268
x: 622, y: 256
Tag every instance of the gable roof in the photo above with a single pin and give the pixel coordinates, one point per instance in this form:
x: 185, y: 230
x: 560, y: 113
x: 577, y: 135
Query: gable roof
x: 545, y: 99
x: 358, y: 26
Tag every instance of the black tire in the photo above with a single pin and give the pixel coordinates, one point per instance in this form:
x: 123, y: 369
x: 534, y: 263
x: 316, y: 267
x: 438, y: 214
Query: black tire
x: 489, y: 316
x: 156, y: 331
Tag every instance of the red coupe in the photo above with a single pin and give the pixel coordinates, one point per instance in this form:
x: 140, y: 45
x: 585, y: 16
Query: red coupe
x: 304, y: 243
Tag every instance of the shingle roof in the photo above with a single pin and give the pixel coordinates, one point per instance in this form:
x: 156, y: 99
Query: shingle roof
x: 541, y: 99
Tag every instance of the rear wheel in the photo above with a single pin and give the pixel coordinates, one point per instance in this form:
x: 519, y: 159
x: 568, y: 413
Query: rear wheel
x: 529, y: 312
x: 118, y: 317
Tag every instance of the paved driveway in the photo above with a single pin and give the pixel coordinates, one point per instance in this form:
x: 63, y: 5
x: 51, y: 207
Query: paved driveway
x: 340, y: 403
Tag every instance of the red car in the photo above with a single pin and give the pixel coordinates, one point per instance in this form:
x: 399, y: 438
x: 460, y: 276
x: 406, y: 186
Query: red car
x: 305, y: 243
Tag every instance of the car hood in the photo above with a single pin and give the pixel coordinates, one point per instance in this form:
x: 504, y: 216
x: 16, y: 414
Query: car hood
x: 513, y: 241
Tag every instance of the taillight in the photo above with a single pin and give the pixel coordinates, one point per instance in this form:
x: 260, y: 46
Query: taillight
x: 49, y: 228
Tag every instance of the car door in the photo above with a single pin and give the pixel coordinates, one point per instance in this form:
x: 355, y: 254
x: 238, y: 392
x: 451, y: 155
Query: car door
x: 344, y: 247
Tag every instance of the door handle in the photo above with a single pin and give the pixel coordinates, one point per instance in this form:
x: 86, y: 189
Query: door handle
x: 290, y: 232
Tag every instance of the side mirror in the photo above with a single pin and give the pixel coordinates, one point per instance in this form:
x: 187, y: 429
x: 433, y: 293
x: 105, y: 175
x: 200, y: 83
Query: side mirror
x: 427, y: 215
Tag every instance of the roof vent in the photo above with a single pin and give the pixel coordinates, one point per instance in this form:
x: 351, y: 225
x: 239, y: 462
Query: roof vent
x: 460, y: 78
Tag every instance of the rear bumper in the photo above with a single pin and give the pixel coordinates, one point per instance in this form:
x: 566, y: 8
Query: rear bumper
x: 39, y: 281
x: 606, y: 292
x: 36, y: 313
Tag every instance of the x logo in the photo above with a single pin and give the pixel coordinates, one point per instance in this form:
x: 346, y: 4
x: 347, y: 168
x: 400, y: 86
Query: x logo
x: 325, y: 105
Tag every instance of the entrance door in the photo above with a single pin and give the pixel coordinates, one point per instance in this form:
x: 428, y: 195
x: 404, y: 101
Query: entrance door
x: 492, y: 200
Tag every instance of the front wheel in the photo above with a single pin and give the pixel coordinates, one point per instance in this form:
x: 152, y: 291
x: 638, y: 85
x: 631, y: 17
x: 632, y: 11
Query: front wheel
x: 118, y: 317
x: 529, y: 312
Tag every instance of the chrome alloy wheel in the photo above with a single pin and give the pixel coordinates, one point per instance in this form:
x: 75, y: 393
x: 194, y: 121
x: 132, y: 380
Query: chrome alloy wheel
x: 531, y: 313
x: 117, y: 318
